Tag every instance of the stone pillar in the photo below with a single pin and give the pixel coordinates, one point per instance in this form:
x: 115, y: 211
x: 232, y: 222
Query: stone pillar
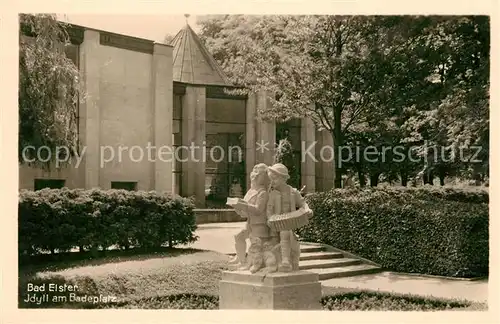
x: 298, y: 290
x: 308, y: 164
x: 265, y: 133
x: 193, y: 136
x: 90, y: 123
x: 162, y: 117
x: 250, y: 135
x: 325, y: 174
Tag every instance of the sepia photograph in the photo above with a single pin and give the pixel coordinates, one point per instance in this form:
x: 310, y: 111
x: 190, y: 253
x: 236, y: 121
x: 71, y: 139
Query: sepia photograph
x: 254, y: 162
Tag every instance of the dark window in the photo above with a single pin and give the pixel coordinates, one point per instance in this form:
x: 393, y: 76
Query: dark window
x: 49, y: 183
x: 124, y: 185
x: 177, y: 142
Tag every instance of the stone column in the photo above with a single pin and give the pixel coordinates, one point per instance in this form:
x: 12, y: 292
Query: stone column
x: 250, y: 135
x: 193, y: 136
x: 324, y: 168
x: 265, y: 133
x: 308, y: 164
x: 162, y: 117
x: 90, y: 123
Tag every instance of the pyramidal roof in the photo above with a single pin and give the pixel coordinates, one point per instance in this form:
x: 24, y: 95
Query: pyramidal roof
x: 192, y: 63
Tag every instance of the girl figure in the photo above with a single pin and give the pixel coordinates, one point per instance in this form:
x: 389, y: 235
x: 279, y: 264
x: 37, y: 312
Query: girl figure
x: 254, y: 212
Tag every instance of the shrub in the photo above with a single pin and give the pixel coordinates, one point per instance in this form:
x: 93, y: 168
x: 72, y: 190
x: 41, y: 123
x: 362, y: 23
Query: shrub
x: 403, y: 230
x: 354, y: 301
x: 59, y: 220
x: 180, y: 301
x: 384, y: 301
x: 476, y: 195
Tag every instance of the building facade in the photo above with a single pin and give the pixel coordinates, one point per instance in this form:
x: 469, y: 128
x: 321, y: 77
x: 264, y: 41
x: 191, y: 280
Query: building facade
x: 147, y: 103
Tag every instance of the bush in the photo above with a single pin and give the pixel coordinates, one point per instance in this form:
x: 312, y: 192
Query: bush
x: 385, y: 301
x: 410, y: 231
x: 475, y: 195
x: 351, y: 301
x: 59, y: 220
x: 180, y: 301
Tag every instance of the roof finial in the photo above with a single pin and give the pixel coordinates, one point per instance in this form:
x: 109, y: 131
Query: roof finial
x: 187, y: 17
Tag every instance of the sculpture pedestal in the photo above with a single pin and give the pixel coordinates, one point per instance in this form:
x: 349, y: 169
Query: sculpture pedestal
x: 298, y: 290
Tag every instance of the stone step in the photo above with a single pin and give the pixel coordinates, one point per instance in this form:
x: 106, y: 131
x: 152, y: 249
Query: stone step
x: 311, y: 248
x: 347, y: 271
x: 331, y: 263
x: 320, y: 255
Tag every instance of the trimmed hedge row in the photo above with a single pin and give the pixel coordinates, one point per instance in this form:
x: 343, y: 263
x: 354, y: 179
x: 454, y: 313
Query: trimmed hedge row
x: 402, y: 231
x: 475, y: 195
x: 59, y: 220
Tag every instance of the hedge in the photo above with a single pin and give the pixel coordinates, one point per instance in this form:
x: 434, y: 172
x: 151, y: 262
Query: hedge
x: 59, y: 220
x: 475, y: 195
x: 402, y: 231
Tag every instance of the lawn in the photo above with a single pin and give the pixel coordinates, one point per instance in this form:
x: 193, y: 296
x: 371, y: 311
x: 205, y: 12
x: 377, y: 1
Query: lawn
x: 177, y: 278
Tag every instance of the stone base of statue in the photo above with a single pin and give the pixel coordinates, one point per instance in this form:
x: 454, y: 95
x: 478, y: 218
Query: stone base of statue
x: 298, y: 290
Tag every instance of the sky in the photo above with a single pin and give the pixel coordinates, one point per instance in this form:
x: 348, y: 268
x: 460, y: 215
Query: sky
x: 152, y: 27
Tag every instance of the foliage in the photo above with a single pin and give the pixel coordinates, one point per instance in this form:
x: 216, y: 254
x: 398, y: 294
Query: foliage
x: 410, y: 231
x: 352, y: 301
x: 181, y: 301
x: 63, y: 219
x: 284, y: 154
x: 408, y: 81
x: 168, y: 38
x: 382, y: 301
x: 468, y: 195
x: 49, y: 87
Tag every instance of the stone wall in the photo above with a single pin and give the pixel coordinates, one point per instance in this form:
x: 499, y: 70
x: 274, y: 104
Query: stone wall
x: 204, y: 216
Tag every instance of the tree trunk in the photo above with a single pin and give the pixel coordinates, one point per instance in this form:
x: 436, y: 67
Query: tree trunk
x: 337, y: 143
x: 476, y: 175
x: 404, y: 179
x: 374, y: 179
x: 362, y: 179
x: 337, y: 113
x: 428, y: 177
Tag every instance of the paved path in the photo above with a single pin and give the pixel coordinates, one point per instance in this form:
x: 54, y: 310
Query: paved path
x: 217, y: 237
x: 220, y: 237
x: 415, y: 285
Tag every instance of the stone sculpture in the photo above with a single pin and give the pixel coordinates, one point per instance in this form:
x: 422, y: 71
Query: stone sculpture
x: 273, y: 210
x: 286, y: 211
x: 253, y: 208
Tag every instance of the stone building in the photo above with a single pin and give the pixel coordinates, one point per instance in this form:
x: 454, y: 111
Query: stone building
x: 142, y: 96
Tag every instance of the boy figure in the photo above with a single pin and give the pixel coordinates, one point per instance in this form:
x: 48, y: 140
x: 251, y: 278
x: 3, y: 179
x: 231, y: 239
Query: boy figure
x: 283, y: 198
x: 255, y: 213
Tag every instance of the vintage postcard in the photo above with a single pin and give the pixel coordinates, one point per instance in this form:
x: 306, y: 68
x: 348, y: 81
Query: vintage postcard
x: 358, y: 146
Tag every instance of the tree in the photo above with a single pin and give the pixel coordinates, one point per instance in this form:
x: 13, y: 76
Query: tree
x: 49, y: 88
x: 379, y: 80
x: 300, y: 60
x: 168, y: 38
x: 455, y: 117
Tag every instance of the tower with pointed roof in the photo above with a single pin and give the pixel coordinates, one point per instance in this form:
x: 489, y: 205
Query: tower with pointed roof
x: 192, y: 63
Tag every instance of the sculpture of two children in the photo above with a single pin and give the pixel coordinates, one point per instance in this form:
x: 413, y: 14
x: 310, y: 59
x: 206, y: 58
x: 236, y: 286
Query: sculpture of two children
x: 269, y: 196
